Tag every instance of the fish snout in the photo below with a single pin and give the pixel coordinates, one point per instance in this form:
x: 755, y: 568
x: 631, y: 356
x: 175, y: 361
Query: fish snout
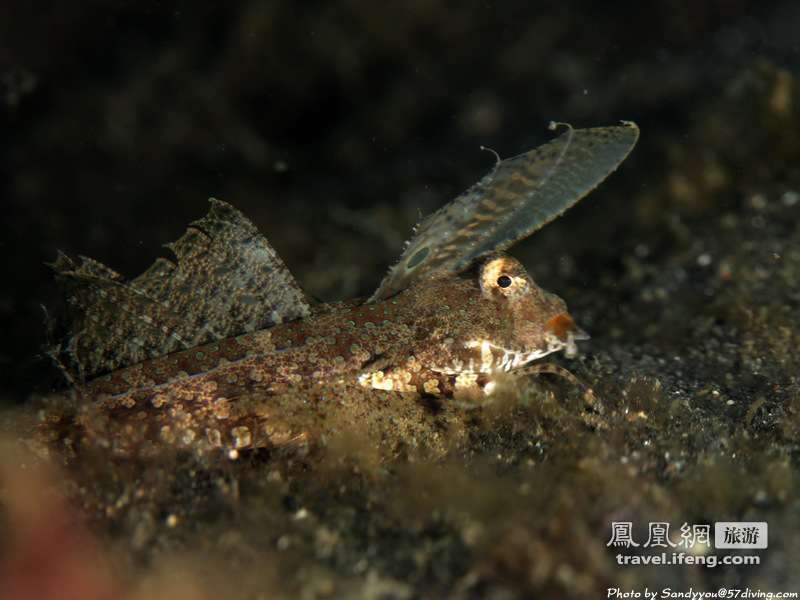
x: 565, y: 329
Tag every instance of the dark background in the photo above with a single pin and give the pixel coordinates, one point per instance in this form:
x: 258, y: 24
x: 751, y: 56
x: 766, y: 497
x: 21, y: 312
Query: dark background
x: 335, y: 125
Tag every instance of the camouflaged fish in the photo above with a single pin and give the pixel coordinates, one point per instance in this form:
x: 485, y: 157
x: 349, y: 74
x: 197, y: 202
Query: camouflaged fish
x: 172, y: 353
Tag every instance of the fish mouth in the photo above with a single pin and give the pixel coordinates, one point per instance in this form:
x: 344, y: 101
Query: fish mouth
x: 494, y: 358
x: 561, y: 333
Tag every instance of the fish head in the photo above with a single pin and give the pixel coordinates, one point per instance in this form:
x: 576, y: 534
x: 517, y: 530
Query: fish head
x: 508, y: 322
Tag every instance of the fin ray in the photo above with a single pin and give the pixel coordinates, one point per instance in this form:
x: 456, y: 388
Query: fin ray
x: 519, y: 196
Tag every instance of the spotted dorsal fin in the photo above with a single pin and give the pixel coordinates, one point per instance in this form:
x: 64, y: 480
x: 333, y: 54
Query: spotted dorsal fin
x: 225, y: 280
x: 520, y: 195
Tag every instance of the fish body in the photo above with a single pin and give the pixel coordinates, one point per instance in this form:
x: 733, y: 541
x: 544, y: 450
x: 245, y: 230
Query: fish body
x: 177, y: 355
x: 441, y: 337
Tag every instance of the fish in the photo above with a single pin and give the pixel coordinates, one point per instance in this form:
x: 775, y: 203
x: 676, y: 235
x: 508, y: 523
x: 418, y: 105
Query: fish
x: 176, y: 356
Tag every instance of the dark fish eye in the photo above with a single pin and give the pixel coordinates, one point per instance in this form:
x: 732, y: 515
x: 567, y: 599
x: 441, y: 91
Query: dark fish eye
x: 504, y: 281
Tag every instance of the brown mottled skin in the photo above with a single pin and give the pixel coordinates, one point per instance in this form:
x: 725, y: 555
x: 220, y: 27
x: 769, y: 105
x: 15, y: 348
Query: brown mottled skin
x: 432, y: 328
x: 440, y: 337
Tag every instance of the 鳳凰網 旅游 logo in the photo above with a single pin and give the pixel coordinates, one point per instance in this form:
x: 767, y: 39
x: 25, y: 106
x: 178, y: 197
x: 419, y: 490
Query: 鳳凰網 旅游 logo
x: 689, y: 543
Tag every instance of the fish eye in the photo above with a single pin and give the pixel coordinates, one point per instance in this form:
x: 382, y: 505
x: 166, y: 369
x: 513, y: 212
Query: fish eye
x: 504, y: 281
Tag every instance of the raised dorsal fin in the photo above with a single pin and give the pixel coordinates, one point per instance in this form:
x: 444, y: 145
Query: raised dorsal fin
x: 520, y: 195
x: 225, y: 280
